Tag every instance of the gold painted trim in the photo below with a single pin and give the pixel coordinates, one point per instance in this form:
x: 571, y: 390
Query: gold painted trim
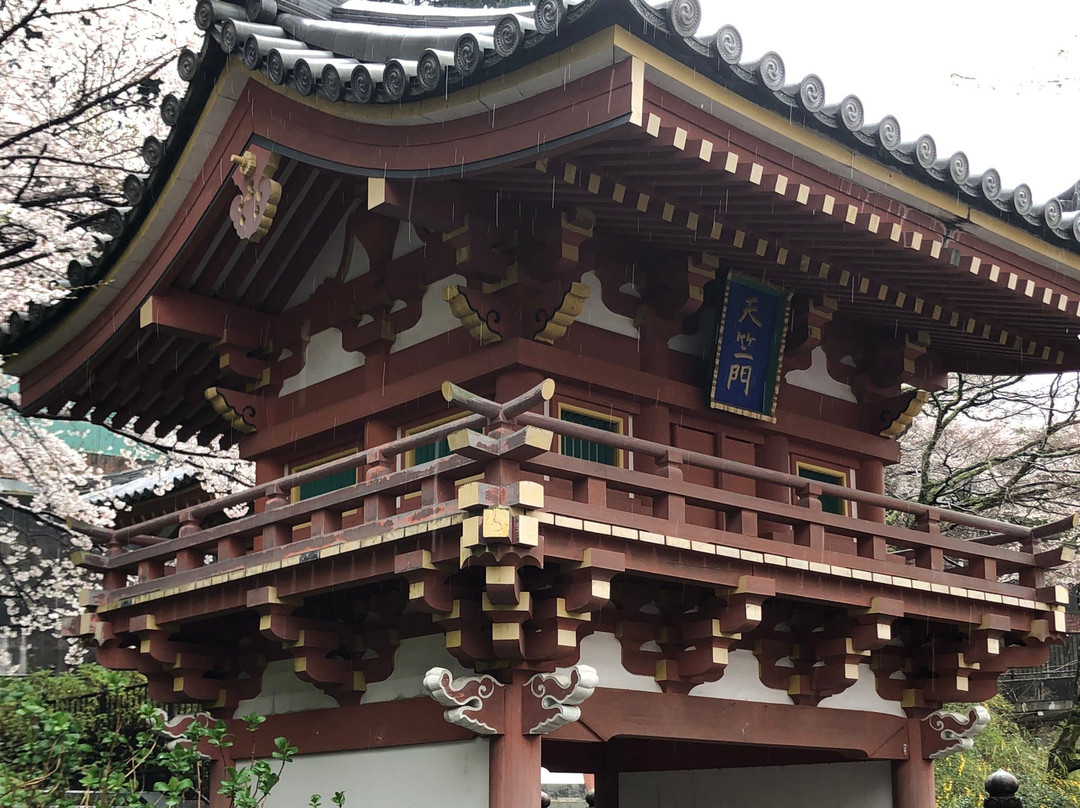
x: 904, y: 420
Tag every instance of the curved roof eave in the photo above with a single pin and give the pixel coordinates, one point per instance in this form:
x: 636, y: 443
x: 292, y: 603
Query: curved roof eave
x: 664, y: 34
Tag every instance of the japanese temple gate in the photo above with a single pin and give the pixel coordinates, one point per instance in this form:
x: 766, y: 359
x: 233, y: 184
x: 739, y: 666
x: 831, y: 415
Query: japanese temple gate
x: 571, y: 346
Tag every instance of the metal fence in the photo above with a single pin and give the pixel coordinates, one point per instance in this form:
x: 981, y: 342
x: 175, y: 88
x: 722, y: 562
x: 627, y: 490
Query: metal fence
x: 1044, y: 688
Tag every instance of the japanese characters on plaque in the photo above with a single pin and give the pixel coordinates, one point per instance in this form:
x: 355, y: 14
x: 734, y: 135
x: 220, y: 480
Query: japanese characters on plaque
x: 749, y: 347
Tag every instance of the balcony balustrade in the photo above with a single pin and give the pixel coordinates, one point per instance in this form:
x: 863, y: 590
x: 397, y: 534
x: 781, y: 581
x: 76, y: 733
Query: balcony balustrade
x: 645, y: 499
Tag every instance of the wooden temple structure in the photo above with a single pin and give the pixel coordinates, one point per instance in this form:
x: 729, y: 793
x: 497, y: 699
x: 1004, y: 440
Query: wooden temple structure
x: 571, y: 346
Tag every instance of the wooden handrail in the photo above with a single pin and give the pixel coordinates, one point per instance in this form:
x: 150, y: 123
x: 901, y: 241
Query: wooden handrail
x: 1007, y: 531
x: 487, y: 412
x: 386, y: 451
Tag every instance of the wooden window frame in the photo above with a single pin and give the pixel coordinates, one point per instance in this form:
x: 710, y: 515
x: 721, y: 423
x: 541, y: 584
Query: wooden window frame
x: 294, y: 492
x: 618, y: 420
x: 843, y: 477
x: 409, y: 458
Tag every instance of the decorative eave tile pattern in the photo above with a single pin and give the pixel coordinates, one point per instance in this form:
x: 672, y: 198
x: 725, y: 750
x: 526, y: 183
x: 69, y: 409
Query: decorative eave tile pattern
x: 360, y: 52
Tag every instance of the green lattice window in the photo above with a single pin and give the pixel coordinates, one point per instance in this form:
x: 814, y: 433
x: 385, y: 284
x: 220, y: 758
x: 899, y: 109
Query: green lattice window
x: 586, y: 449
x: 433, y: 451
x: 327, y: 484
x: 829, y: 504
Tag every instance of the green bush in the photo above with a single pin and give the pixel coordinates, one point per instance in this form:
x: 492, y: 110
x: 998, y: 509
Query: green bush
x: 55, y: 737
x: 66, y: 736
x: 99, y: 701
x: 1002, y: 745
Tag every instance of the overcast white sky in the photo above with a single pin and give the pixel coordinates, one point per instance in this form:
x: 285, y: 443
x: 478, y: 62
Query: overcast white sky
x: 999, y: 81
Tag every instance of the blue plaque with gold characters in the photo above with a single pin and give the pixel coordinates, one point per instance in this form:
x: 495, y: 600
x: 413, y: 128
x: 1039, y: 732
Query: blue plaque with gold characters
x: 749, y: 348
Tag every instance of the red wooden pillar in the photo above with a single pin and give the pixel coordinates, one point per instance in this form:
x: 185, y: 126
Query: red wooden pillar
x: 870, y: 476
x: 514, y: 775
x: 653, y: 424
x: 607, y: 788
x: 913, y: 779
x: 774, y: 454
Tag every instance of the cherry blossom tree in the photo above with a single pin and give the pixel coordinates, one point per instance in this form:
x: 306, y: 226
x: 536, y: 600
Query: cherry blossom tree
x: 80, y: 84
x: 1005, y: 446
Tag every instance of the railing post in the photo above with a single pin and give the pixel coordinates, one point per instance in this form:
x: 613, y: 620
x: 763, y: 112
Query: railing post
x: 929, y: 558
x: 871, y: 547
x: 1001, y: 790
x: 193, y: 558
x: 670, y: 506
x: 591, y: 491
x: 378, y: 506
x: 984, y: 568
x: 434, y: 490
x: 810, y: 534
x: 1033, y: 577
x: 276, y: 535
x: 114, y: 579
x: 774, y: 453
x: 325, y: 521
x: 151, y: 569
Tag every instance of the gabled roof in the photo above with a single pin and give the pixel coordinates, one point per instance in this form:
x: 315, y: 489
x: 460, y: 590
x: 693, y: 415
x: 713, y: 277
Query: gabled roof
x: 778, y: 180
x: 364, y: 52
x: 138, y: 484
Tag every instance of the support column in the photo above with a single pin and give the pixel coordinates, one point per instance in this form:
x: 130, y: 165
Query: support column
x: 514, y: 761
x: 607, y: 787
x: 870, y: 476
x: 913, y: 779
x: 775, y: 454
x: 653, y: 424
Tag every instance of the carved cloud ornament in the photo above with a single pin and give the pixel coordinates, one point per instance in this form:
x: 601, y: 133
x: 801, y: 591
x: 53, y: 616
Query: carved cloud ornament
x: 554, y: 699
x: 548, y: 700
x: 945, y: 733
x: 469, y: 699
x: 173, y: 730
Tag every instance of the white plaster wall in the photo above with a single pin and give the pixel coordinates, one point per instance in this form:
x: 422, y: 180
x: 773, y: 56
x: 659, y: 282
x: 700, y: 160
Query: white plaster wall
x: 324, y: 359
x: 817, y: 378
x: 595, y: 313
x: 438, y: 775
x: 863, y: 696
x: 603, y: 652
x: 406, y: 241
x: 740, y: 682
x: 834, y: 785
x: 413, y: 658
x: 701, y: 343
x: 284, y: 692
x: 435, y: 316
x: 359, y: 262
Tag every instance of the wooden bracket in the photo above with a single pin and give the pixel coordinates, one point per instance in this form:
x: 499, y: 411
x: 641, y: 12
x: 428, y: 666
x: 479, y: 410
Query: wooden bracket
x: 254, y: 208
x: 243, y: 412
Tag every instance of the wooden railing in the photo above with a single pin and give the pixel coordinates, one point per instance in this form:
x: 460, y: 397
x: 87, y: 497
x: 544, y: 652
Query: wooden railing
x: 653, y: 501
